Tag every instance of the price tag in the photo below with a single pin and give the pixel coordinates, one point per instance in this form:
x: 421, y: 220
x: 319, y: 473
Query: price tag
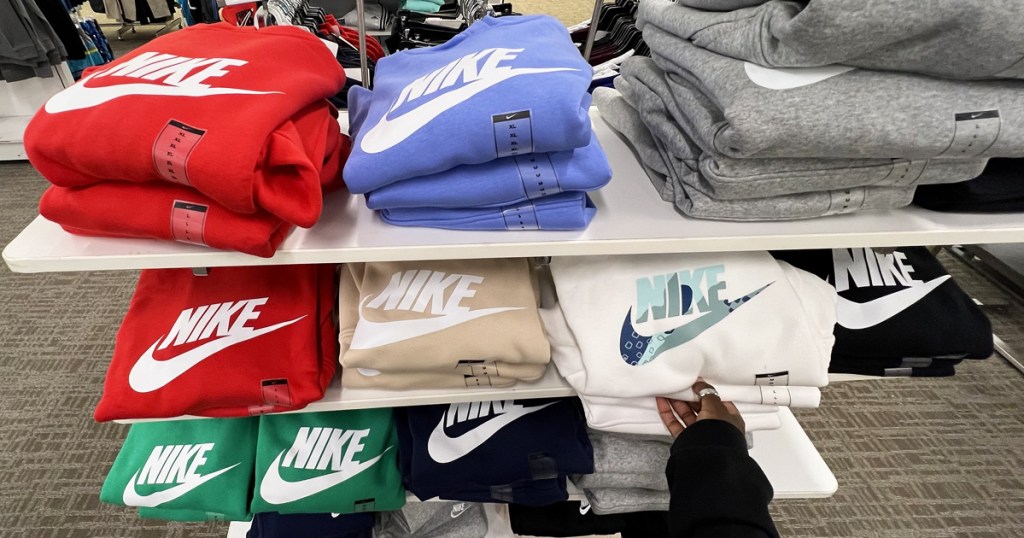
x: 513, y: 133
x: 172, y: 148
x: 188, y: 222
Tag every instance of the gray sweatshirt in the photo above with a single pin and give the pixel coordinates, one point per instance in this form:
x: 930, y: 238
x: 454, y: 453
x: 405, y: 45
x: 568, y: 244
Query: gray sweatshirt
x: 944, y: 38
x: 836, y: 112
x: 675, y: 182
x: 644, y: 86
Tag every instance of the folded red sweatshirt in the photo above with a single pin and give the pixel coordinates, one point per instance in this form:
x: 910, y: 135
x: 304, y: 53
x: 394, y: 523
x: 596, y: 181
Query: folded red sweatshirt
x: 159, y: 210
x: 208, y: 106
x: 237, y: 342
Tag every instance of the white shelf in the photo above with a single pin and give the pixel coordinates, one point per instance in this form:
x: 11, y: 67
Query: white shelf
x: 631, y: 219
x: 551, y: 385
x: 791, y: 463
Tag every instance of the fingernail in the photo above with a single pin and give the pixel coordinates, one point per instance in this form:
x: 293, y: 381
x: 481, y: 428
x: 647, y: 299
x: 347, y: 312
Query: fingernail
x: 699, y: 378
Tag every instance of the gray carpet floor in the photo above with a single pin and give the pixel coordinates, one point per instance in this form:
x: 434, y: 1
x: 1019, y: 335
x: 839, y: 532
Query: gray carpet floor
x: 915, y: 458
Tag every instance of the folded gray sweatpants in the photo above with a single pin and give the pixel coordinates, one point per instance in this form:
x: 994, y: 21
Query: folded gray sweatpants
x: 644, y: 86
x: 944, y: 38
x: 837, y: 113
x: 624, y: 500
x: 674, y: 183
x: 433, y: 520
x: 627, y: 461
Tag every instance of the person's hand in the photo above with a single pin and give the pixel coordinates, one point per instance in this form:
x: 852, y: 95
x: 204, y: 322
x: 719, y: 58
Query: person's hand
x: 709, y: 407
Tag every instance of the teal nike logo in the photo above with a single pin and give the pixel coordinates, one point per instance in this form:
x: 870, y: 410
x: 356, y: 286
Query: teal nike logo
x: 638, y: 350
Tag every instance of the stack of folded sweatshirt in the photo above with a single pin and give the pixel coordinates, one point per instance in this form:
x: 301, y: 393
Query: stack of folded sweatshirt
x: 433, y: 520
x: 340, y: 461
x: 470, y: 135
x: 222, y: 152
x: 628, y: 329
x: 186, y: 470
x: 239, y: 341
x: 750, y: 120
x: 509, y: 451
x: 438, y: 324
x: 899, y: 312
x: 629, y: 473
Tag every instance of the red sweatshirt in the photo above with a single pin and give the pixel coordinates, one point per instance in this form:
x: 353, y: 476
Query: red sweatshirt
x: 208, y: 106
x: 160, y: 210
x: 240, y: 341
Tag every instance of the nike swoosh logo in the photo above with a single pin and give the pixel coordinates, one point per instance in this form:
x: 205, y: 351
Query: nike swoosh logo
x: 458, y: 510
x: 387, y: 134
x: 370, y: 334
x: 276, y: 490
x: 444, y: 449
x: 637, y: 350
x: 976, y: 115
x: 133, y: 498
x: 863, y: 315
x: 80, y: 96
x: 787, y: 78
x: 149, y: 374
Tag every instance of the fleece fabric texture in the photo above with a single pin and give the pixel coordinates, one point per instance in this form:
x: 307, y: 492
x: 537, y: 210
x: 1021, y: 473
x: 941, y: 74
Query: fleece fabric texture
x: 999, y: 189
x: 745, y: 111
x: 274, y: 525
x: 465, y: 375
x: 650, y: 325
x: 316, y: 449
x: 215, y: 456
x: 501, y: 182
x: 564, y: 211
x: 224, y: 125
x: 897, y: 304
x: 639, y: 415
x: 941, y: 38
x: 440, y: 316
x: 645, y: 89
x: 232, y: 326
x: 433, y: 520
x: 681, y: 185
x: 627, y: 461
x: 460, y: 102
x: 447, y: 448
x: 170, y: 212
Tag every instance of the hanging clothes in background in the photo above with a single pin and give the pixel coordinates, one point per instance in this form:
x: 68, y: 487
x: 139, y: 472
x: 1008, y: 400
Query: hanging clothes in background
x: 617, y: 39
x: 28, y: 43
x: 139, y: 11
x: 324, y: 25
x: 97, y: 48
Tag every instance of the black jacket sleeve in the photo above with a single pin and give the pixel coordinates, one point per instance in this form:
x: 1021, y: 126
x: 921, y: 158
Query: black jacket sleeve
x: 718, y: 490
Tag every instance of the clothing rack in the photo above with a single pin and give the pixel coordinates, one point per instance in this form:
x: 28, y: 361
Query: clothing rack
x: 127, y: 26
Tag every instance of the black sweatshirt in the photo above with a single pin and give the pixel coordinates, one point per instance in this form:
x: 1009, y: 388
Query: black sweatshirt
x: 718, y: 490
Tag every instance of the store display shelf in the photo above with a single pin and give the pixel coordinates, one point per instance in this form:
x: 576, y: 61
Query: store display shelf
x: 336, y: 398
x: 631, y: 219
x: 786, y: 455
x: 12, y: 130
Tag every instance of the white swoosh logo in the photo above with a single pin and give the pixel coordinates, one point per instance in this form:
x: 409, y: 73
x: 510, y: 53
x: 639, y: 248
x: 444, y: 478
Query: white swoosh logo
x: 863, y: 315
x: 389, y: 133
x: 276, y: 490
x: 787, y: 78
x: 81, y: 96
x: 149, y: 374
x: 370, y: 334
x: 444, y: 449
x: 132, y: 497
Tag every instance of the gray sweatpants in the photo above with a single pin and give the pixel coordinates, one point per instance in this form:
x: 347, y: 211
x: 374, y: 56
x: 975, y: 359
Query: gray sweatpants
x: 644, y: 86
x: 945, y: 38
x: 835, y: 114
x: 433, y: 519
x: 675, y: 182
